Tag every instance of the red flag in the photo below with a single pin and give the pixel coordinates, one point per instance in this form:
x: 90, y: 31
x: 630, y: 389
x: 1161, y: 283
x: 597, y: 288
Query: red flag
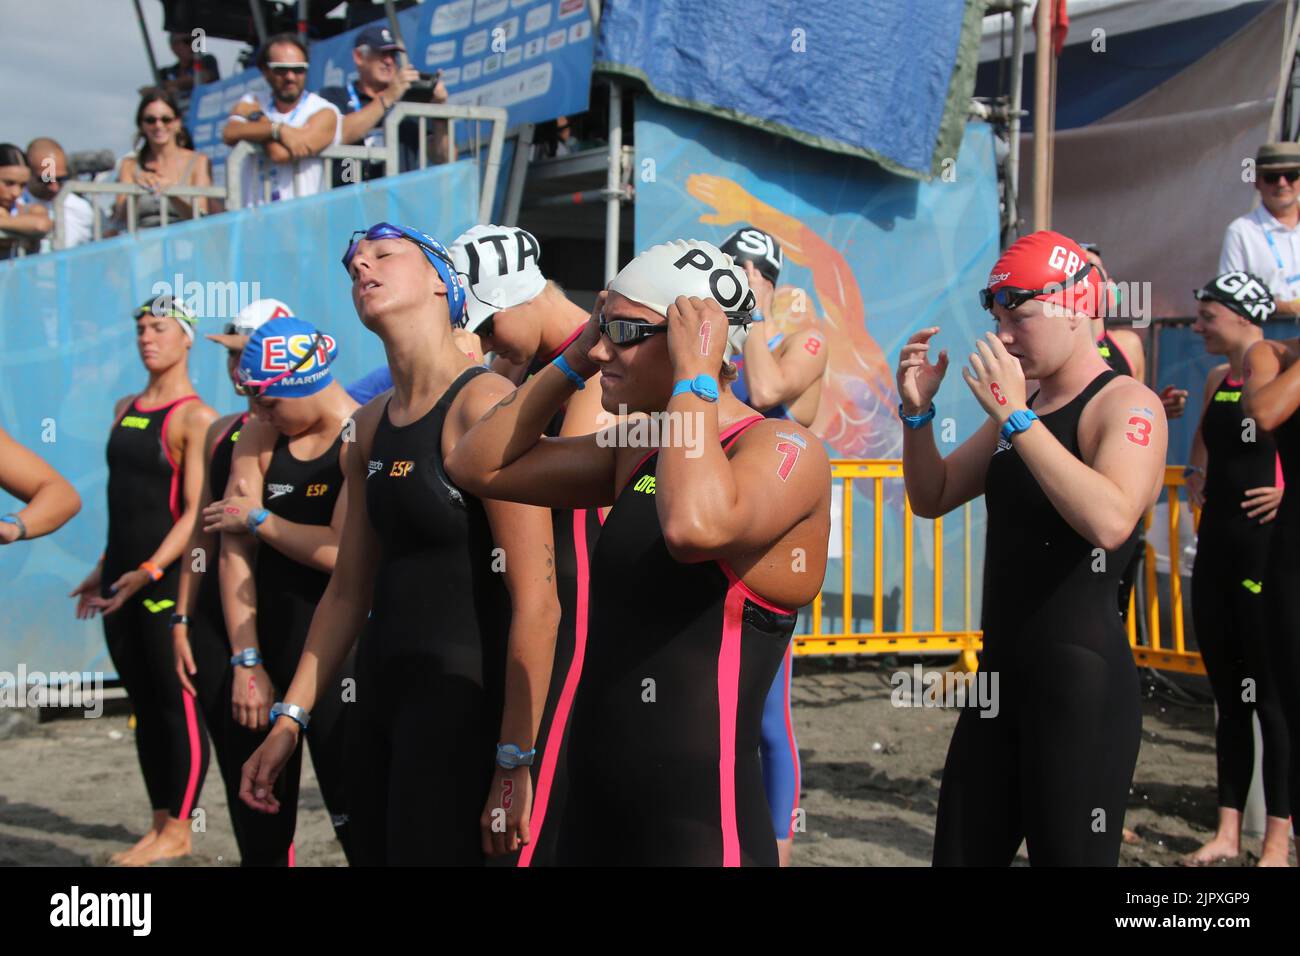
x: 1060, y: 22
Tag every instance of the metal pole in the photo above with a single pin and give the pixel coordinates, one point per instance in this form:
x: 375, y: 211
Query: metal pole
x: 1012, y: 224
x: 1042, y: 125
x: 148, y: 47
x: 518, y: 173
x: 259, y: 21
x: 302, y: 20
x: 612, y: 180
x: 402, y: 60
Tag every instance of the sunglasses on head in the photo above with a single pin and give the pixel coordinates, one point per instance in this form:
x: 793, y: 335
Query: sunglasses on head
x: 631, y: 331
x: 282, y: 69
x: 1009, y: 297
x: 1274, y: 176
x: 386, y: 230
x: 256, y: 390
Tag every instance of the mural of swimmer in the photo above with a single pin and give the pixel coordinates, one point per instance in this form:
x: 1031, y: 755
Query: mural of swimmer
x: 856, y: 416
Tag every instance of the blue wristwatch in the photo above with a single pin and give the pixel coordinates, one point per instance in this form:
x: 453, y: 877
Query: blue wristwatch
x: 292, y: 711
x: 702, y: 386
x: 248, y: 657
x: 1020, y: 420
x: 509, y: 756
x: 916, y: 421
x: 568, y: 371
x: 255, y: 519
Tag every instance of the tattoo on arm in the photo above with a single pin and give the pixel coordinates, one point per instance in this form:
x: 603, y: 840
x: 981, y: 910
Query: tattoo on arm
x: 550, y: 563
x: 508, y: 400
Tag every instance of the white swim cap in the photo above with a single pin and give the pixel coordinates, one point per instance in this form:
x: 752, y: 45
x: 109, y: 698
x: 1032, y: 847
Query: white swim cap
x: 498, y: 266
x: 248, y: 320
x: 684, y: 267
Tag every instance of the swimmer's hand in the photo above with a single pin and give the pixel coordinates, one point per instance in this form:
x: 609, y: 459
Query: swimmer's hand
x: 918, y: 377
x: 183, y: 654
x: 122, y: 590
x: 230, y: 515
x: 1195, y: 485
x: 87, y: 594
x: 504, y: 823
x: 764, y: 291
x: 697, y: 337
x: 577, y: 352
x: 252, y: 696
x: 1262, y: 502
x: 1174, y: 400
x: 260, y: 771
x: 996, y: 378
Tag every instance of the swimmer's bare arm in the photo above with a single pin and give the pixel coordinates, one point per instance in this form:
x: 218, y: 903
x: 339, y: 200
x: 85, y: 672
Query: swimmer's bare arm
x: 195, y: 420
x: 313, y: 545
x: 51, y: 501
x: 201, y: 543
x: 504, y: 455
x: 774, y: 381
x: 239, y: 550
x: 937, y: 485
x: 1200, y: 455
x: 1271, y: 394
x: 1105, y: 495
x: 341, y: 615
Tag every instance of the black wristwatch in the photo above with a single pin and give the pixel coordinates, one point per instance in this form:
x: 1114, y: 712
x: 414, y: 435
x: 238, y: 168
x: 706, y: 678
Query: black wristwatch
x: 256, y: 115
x: 180, y: 619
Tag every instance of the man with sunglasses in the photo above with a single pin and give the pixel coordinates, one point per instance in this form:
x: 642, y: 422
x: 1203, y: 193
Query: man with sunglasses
x: 1266, y: 241
x: 292, y: 128
x: 364, y: 103
x: 49, y: 166
x: 1066, y: 474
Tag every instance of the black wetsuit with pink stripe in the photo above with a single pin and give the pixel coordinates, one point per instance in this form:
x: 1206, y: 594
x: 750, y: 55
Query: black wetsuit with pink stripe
x: 144, y: 502
x: 663, y: 745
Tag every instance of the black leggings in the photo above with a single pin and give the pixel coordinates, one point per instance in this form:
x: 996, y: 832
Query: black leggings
x: 1229, y: 590
x: 1053, y: 767
x: 1282, y: 599
x: 266, y: 839
x: 170, y: 738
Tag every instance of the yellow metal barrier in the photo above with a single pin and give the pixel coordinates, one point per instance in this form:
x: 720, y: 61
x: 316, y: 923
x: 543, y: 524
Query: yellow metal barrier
x: 968, y: 640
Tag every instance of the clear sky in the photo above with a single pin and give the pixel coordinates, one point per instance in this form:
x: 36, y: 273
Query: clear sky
x: 72, y: 69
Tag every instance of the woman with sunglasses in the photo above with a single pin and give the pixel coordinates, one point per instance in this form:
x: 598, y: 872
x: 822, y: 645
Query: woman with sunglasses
x: 1233, y: 478
x: 459, y: 593
x: 161, y: 161
x: 155, y: 476
x: 693, y: 585
x: 200, y: 645
x: 1271, y: 397
x: 1066, y: 475
x: 280, y: 519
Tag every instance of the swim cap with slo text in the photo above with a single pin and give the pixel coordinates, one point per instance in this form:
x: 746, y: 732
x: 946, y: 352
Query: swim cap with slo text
x: 750, y: 244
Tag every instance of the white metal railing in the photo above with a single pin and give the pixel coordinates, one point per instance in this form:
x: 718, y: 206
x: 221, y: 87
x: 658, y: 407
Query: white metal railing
x: 232, y: 192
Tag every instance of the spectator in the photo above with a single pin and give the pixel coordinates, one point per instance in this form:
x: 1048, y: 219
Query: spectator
x: 30, y: 224
x: 1266, y: 242
x: 292, y: 128
x: 161, y: 161
x: 188, y: 71
x: 365, y: 102
x: 49, y: 166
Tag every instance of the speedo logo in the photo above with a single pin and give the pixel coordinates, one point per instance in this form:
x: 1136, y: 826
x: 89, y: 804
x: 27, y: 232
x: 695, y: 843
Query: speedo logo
x: 1003, y: 445
x: 373, y: 468
x: 277, y: 490
x: 134, y: 421
x: 1227, y: 396
x: 999, y: 276
x: 645, y: 484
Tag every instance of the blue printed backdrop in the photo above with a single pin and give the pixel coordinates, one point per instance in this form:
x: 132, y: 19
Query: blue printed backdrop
x: 869, y: 259
x: 68, y: 353
x: 532, y: 57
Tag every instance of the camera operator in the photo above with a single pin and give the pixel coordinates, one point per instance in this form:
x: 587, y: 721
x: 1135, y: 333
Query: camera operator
x: 365, y: 102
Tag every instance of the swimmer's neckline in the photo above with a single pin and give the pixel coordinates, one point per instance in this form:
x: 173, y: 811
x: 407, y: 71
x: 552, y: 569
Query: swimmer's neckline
x: 472, y: 370
x: 306, y: 461
x: 1109, y: 373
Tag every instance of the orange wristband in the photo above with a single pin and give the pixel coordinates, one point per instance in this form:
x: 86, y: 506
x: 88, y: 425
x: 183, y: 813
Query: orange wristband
x: 151, y: 569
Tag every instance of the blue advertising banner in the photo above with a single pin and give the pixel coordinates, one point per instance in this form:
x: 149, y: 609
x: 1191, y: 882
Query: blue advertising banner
x: 869, y: 259
x: 74, y: 354
x: 532, y: 57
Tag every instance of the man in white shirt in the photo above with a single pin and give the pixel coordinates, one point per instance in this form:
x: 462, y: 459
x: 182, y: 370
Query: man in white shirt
x: 1266, y: 241
x: 49, y: 166
x: 291, y: 129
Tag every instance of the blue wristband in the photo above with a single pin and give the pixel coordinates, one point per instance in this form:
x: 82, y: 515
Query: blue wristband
x: 701, y: 386
x: 255, y: 518
x: 916, y: 421
x: 569, y: 373
x: 756, y: 316
x: 510, y: 756
x: 1019, y: 421
x: 248, y: 657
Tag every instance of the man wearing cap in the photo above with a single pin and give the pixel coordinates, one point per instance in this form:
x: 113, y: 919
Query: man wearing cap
x: 365, y: 102
x: 1266, y: 241
x: 292, y: 128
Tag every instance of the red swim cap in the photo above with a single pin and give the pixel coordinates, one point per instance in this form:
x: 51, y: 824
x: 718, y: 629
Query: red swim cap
x: 1047, y: 260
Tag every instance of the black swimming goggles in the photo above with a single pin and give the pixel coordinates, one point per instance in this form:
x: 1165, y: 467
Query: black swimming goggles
x: 1009, y: 297
x: 631, y: 331
x: 386, y: 230
x: 255, y: 390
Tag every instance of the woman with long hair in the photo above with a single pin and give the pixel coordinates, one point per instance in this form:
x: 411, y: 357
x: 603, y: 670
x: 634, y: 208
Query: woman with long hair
x: 161, y: 160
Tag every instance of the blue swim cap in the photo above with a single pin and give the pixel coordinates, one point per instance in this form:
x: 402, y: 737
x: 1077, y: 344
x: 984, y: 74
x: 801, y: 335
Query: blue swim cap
x: 433, y: 250
x: 270, y: 360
